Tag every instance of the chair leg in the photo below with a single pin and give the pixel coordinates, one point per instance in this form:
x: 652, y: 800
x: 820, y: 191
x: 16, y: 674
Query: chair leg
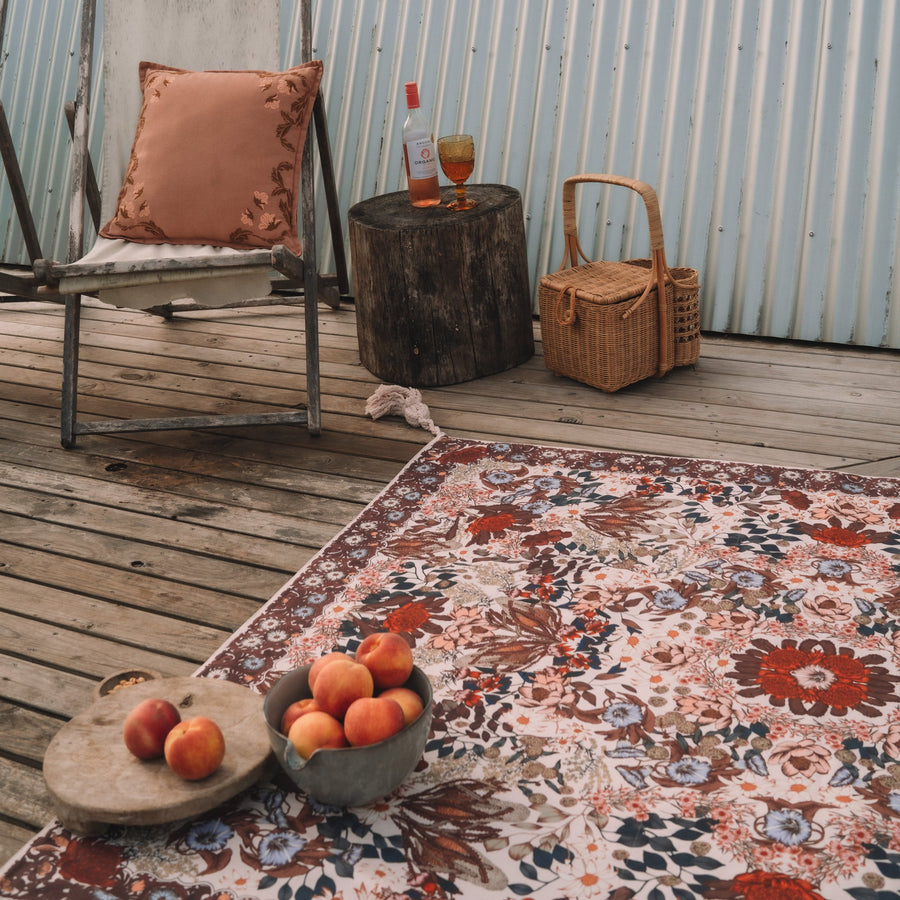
x: 313, y: 385
x: 331, y: 199
x: 17, y: 189
x: 69, y: 400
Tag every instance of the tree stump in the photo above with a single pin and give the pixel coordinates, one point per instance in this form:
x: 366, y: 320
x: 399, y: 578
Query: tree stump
x: 441, y: 296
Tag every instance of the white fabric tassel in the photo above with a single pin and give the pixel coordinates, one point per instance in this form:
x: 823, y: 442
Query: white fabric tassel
x: 392, y: 400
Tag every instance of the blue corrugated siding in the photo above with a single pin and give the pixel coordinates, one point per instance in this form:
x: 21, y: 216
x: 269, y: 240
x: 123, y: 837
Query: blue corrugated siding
x: 770, y: 129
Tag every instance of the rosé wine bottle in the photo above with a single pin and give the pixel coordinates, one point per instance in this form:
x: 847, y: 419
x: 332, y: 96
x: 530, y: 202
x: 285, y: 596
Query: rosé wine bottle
x: 419, y: 153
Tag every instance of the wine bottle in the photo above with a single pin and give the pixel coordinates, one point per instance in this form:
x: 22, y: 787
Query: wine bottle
x: 419, y: 153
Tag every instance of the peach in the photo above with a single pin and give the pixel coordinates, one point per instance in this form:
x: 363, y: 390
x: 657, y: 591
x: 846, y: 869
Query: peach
x: 147, y: 725
x: 410, y: 702
x: 314, y: 731
x: 372, y: 719
x: 195, y: 748
x: 295, y: 710
x: 322, y: 661
x: 339, y: 684
x: 387, y: 656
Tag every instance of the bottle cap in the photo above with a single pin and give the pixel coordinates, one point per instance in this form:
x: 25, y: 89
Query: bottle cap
x: 412, y: 95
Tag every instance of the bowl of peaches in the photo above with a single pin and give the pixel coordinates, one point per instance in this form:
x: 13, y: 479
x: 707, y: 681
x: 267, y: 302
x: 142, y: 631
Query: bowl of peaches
x: 349, y: 728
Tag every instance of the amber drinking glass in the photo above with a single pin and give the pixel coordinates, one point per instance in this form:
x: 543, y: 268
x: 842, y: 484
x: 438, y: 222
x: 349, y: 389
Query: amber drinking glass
x: 457, y: 155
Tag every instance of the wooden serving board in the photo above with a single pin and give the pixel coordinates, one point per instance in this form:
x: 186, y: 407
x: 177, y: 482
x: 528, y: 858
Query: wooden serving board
x: 94, y: 781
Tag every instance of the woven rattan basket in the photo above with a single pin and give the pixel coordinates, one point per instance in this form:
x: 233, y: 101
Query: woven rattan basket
x: 610, y: 324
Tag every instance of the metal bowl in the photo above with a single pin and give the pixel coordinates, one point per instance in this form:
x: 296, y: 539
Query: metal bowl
x: 349, y: 776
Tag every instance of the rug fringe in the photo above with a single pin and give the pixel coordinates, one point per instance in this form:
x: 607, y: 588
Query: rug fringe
x: 391, y: 399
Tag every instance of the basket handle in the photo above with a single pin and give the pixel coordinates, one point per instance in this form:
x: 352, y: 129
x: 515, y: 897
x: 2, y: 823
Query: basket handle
x: 659, y: 271
x: 570, y: 226
x: 565, y: 314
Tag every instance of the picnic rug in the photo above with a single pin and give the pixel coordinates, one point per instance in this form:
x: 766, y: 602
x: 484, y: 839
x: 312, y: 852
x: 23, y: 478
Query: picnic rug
x: 653, y: 677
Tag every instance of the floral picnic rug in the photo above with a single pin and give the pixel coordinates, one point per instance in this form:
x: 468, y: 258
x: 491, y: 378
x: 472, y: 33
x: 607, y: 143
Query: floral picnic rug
x: 653, y: 678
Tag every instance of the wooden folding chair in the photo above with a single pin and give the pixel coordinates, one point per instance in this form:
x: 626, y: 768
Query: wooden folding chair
x: 127, y: 267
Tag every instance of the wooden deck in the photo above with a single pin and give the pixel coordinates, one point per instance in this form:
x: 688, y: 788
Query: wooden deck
x: 151, y: 549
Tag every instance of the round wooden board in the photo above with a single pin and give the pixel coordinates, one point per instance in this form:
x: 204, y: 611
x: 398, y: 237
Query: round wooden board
x: 94, y: 781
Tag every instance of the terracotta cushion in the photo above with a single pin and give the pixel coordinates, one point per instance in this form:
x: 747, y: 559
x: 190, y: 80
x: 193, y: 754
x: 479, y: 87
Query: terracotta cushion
x: 216, y: 158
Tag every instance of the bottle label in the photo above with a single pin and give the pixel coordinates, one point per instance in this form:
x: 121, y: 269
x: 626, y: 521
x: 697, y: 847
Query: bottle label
x: 421, y: 156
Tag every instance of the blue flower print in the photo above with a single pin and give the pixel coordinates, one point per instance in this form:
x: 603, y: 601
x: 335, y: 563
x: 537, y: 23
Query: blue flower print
x: 157, y: 894
x: 499, y: 477
x: 353, y: 854
x: 637, y: 778
x: 669, y: 599
x: 547, y: 483
x: 833, y: 568
x: 689, y: 771
x: 866, y: 607
x: 787, y: 826
x: 323, y: 809
x: 280, y: 847
x: 747, y: 579
x: 253, y: 663
x: 757, y: 764
x: 211, y: 836
x: 624, y: 750
x: 845, y: 775
x: 620, y: 715
x: 696, y: 577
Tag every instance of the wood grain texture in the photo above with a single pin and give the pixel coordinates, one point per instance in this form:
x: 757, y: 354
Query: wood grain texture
x: 94, y: 781
x: 153, y: 548
x: 442, y: 297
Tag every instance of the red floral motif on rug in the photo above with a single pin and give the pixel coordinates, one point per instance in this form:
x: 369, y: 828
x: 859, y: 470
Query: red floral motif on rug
x: 816, y: 678
x: 654, y: 678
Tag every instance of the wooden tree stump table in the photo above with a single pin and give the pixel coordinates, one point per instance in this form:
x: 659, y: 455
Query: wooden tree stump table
x: 441, y: 296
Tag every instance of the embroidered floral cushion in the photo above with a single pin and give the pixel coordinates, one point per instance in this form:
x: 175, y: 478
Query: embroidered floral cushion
x: 216, y: 158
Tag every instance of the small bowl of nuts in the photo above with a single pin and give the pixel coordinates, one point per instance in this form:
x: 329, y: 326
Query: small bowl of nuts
x: 124, y: 679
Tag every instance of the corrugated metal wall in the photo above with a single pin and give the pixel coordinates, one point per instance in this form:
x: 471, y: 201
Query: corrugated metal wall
x: 770, y: 128
x: 37, y: 77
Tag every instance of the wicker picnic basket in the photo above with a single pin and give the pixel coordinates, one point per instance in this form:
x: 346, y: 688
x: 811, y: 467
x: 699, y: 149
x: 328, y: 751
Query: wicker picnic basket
x: 610, y: 324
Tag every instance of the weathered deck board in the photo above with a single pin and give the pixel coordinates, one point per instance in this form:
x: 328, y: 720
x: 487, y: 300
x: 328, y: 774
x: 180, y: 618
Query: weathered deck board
x: 153, y: 548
